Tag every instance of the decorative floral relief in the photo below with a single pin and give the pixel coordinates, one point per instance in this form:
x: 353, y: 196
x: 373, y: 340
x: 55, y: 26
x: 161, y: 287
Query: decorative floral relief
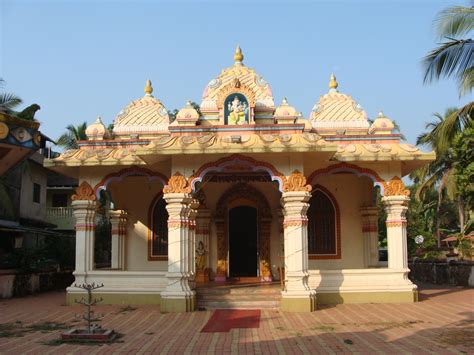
x: 395, y: 187
x: 296, y: 182
x: 84, y: 192
x: 177, y: 184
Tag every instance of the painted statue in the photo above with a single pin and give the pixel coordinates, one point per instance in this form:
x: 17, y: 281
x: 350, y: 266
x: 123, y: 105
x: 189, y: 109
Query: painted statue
x: 237, y: 111
x: 201, y: 257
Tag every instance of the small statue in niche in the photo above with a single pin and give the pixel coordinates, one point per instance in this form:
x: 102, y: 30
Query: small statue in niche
x: 200, y: 257
x: 237, y: 111
x: 202, y: 272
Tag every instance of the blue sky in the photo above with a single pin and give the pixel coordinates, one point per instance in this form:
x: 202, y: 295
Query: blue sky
x: 80, y: 59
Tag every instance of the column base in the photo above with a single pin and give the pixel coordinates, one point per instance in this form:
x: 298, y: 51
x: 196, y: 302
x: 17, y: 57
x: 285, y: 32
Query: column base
x: 299, y: 304
x: 178, y: 305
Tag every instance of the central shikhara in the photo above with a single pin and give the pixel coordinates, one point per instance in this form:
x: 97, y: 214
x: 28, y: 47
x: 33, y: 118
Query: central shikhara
x: 238, y: 188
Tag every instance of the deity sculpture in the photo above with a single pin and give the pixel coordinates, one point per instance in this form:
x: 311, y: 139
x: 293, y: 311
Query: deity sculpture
x: 202, y: 272
x: 200, y: 257
x: 237, y: 111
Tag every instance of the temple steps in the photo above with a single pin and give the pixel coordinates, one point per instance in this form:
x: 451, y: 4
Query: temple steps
x: 239, y: 296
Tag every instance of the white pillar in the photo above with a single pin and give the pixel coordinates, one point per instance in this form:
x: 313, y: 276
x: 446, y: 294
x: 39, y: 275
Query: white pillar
x: 396, y: 207
x: 297, y: 295
x: 369, y: 216
x: 118, y: 220
x: 178, y: 295
x: 84, y: 210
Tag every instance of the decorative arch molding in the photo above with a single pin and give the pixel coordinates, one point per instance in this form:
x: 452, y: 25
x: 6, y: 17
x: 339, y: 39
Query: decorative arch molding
x: 236, y: 87
x: 132, y: 171
x: 243, y: 191
x: 240, y: 163
x: 264, y: 216
x: 337, y: 216
x: 351, y: 168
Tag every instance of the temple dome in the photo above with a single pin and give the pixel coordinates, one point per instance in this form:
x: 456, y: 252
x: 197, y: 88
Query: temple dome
x: 335, y: 110
x: 285, y: 113
x: 145, y: 115
x: 382, y: 125
x: 188, y: 115
x: 236, y: 76
x: 97, y: 130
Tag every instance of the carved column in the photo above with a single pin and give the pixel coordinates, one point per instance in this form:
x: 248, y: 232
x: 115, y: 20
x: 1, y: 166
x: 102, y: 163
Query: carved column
x: 84, y: 210
x: 221, y: 270
x: 297, y: 296
x: 193, y: 211
x: 178, y: 296
x: 264, y: 249
x: 369, y: 216
x: 118, y: 220
x: 396, y: 198
x: 203, y: 220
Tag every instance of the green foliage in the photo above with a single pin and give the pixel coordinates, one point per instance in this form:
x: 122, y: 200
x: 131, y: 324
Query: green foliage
x: 463, y: 155
x: 8, y: 101
x: 453, y: 57
x: 464, y: 246
x: 55, y: 252
x: 73, y: 134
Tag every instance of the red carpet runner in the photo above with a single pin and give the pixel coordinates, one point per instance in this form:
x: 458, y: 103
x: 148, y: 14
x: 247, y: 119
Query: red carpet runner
x: 224, y: 320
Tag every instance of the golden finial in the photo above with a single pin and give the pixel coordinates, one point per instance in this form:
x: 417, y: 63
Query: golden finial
x: 238, y: 56
x: 332, y: 82
x: 148, y: 88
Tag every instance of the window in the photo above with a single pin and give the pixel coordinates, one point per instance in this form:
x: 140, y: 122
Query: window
x: 59, y: 200
x: 323, y: 226
x: 158, y: 246
x: 36, y: 193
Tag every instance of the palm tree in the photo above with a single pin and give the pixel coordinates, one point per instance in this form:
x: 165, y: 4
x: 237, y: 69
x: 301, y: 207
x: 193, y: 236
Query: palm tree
x: 73, y: 134
x: 453, y: 58
x: 8, y: 101
x: 439, y: 174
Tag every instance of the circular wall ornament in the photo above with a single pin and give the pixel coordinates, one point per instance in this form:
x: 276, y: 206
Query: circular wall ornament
x: 3, y: 130
x: 419, y: 239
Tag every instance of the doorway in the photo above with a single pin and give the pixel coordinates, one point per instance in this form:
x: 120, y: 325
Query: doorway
x: 243, y: 242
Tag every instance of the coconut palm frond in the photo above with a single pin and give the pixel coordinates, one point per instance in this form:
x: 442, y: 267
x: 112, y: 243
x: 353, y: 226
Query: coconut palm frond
x: 451, y: 126
x: 466, y: 82
x: 467, y: 113
x: 427, y: 184
x: 72, y: 135
x: 9, y: 101
x: 454, y: 21
x: 397, y: 129
x: 451, y: 58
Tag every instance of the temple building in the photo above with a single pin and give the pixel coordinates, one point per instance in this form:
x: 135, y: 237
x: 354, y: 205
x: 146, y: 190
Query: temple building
x: 240, y: 188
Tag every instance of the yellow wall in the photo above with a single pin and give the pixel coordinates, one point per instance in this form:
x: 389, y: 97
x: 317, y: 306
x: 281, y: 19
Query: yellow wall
x: 350, y: 192
x: 135, y: 194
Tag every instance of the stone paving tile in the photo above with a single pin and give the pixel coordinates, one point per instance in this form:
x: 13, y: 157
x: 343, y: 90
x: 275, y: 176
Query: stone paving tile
x: 443, y: 322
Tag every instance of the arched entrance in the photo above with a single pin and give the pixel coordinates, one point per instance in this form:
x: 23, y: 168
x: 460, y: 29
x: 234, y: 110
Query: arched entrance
x: 243, y: 209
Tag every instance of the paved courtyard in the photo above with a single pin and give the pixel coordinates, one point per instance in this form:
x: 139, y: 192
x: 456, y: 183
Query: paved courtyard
x: 443, y: 322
